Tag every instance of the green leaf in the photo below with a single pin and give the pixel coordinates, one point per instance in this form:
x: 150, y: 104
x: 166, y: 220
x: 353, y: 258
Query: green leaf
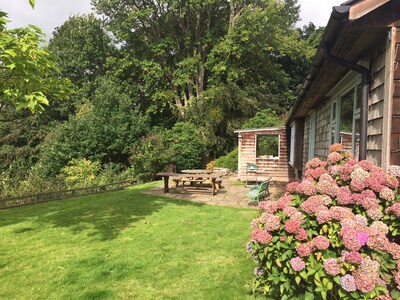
x: 308, y: 296
x: 297, y: 279
x: 32, y: 3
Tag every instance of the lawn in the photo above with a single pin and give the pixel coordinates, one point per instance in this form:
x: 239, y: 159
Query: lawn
x: 124, y: 245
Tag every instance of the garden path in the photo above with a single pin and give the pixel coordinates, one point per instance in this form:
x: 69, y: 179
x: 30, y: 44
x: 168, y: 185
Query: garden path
x: 232, y: 193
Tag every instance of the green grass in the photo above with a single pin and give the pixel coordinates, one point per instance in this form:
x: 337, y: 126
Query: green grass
x: 124, y: 245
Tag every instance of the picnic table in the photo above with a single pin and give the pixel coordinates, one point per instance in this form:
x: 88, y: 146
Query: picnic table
x: 192, y: 178
x: 197, y: 171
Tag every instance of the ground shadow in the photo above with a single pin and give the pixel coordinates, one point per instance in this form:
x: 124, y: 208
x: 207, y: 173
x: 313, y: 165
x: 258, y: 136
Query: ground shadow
x: 105, y: 214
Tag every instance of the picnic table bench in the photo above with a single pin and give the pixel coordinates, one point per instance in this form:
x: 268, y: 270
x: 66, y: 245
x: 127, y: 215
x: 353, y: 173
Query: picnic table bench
x: 214, y: 179
x: 258, y: 192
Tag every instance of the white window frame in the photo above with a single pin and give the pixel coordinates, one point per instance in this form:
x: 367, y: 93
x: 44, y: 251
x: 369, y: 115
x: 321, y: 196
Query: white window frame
x: 292, y: 142
x: 311, y: 141
x: 279, y: 146
x: 348, y: 83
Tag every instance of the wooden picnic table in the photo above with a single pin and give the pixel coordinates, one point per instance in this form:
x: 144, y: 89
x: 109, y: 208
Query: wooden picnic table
x: 166, y: 176
x: 201, y: 177
x: 197, y: 171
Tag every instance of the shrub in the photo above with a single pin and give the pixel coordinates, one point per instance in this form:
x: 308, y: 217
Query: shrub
x: 149, y: 156
x: 229, y: 161
x: 335, y: 234
x: 80, y: 173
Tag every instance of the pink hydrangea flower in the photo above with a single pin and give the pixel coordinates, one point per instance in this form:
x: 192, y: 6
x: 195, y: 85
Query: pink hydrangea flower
x: 394, y: 170
x: 334, y: 158
x: 271, y: 221
x: 306, y: 188
x: 359, y: 174
x: 291, y: 187
x: 353, y: 257
x: 335, y: 148
x: 284, y: 201
x: 357, y: 185
x: 374, y: 213
x: 349, y: 238
x: 327, y: 188
x: 366, y: 165
x: 386, y: 194
x: 301, y: 235
x: 304, y: 250
x: 314, y: 173
x: 261, y: 236
x: 374, y: 184
x: 394, y: 209
x: 321, y: 242
x: 255, y: 224
x: 392, y: 182
x: 290, y: 210
x: 312, y: 205
x: 324, y: 216
x: 364, y: 282
x: 269, y: 206
x: 380, y: 227
x: 332, y: 267
x: 314, y: 163
x: 297, y: 264
x: 396, y: 277
x: 292, y: 226
x: 344, y: 196
x: 335, y: 170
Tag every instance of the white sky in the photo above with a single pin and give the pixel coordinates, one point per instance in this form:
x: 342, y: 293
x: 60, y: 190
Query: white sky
x: 49, y: 14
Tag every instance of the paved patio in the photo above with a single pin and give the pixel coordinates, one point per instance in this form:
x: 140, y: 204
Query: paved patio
x: 232, y: 193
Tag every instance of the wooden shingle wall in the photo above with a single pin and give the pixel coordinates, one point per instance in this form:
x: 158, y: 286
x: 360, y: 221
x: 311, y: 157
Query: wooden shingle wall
x: 376, y: 107
x: 395, y: 130
x: 278, y: 169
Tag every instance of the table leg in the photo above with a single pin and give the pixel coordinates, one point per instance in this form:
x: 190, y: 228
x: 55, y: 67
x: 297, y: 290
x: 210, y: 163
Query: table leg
x: 166, y: 180
x: 213, y: 186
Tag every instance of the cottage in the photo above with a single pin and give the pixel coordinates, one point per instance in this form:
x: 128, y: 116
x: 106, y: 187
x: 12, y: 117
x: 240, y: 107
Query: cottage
x: 352, y: 93
x: 268, y: 150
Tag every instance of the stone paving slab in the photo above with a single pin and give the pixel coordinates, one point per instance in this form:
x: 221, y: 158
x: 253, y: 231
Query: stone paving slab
x: 232, y: 193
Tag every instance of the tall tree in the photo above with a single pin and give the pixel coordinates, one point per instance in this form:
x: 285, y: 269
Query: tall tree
x: 178, y: 49
x: 82, y: 47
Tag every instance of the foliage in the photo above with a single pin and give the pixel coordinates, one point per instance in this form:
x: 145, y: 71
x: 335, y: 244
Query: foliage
x: 77, y: 249
x: 80, y: 173
x: 149, y: 156
x: 264, y: 118
x: 29, y: 73
x: 186, y: 145
x: 82, y: 47
x: 334, y: 235
x: 229, y: 161
x: 181, y: 146
x: 102, y: 130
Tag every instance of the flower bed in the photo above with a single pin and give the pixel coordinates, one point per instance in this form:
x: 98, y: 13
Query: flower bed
x: 333, y: 235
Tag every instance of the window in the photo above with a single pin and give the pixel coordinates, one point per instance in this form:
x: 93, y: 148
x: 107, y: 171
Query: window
x: 311, y: 145
x: 345, y: 116
x: 267, y: 146
x: 292, y: 142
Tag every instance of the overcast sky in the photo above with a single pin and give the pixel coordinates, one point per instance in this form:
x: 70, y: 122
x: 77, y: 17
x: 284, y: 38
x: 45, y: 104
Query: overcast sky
x: 49, y: 14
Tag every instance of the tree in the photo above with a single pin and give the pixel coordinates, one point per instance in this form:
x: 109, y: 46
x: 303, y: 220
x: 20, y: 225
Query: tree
x: 103, y: 130
x: 28, y: 73
x: 179, y: 49
x: 82, y: 47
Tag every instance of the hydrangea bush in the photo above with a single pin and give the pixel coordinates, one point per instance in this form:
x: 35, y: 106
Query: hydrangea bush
x: 333, y: 235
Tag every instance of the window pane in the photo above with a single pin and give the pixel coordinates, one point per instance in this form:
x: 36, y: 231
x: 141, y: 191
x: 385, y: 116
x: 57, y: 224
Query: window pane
x: 356, y: 137
x: 267, y: 145
x: 346, y: 119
